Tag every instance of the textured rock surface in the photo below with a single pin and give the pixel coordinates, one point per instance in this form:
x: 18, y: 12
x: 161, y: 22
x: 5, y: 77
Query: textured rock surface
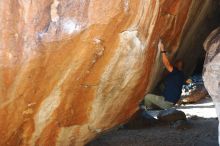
x: 72, y: 69
x: 211, y: 74
x: 195, y: 96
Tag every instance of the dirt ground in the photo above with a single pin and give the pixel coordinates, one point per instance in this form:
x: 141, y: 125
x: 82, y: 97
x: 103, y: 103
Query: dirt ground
x: 203, y: 131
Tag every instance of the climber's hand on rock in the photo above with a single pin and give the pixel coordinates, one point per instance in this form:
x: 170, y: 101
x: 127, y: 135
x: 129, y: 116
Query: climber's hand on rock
x: 161, y: 45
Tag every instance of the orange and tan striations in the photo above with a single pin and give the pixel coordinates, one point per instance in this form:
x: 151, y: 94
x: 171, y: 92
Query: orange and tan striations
x: 72, y: 69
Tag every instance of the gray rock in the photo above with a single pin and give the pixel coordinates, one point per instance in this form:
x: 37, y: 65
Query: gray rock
x: 171, y: 115
x: 211, y: 73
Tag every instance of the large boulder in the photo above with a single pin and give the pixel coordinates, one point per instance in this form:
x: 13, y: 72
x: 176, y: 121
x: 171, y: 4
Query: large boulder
x: 70, y: 69
x: 211, y: 74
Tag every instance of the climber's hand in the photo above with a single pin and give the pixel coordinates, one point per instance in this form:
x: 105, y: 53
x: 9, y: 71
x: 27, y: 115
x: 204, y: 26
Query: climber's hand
x: 161, y: 45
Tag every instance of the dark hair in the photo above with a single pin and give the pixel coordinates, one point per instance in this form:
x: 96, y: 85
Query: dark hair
x: 179, y: 64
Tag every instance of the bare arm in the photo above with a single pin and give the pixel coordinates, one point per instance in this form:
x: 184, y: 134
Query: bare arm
x: 165, y: 59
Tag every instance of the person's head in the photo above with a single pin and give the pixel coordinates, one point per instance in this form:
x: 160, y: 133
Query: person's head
x: 179, y: 64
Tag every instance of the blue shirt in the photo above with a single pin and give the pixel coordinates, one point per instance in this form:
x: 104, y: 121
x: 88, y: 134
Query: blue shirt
x: 173, y: 85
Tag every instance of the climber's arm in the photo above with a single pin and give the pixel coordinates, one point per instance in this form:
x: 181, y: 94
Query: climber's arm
x: 165, y: 59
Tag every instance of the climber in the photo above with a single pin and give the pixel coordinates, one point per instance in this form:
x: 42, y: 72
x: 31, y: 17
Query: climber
x: 173, y: 83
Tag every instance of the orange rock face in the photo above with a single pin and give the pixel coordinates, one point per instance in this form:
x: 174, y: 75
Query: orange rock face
x: 70, y: 70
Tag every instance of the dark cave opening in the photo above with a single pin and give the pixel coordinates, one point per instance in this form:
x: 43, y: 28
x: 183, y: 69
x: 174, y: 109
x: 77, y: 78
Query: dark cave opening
x: 199, y: 66
x: 191, y: 49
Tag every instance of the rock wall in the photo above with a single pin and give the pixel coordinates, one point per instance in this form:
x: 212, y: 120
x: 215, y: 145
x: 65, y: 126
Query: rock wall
x: 197, y: 29
x: 70, y: 70
x: 211, y: 73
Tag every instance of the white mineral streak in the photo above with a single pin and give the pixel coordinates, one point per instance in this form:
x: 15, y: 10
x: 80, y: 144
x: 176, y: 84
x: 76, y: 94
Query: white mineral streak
x: 126, y: 5
x: 26, y: 5
x: 60, y: 29
x: 129, y: 58
x: 48, y: 106
x: 44, y: 116
x: 66, y: 135
x: 70, y: 26
x: 29, y: 38
x: 54, y: 11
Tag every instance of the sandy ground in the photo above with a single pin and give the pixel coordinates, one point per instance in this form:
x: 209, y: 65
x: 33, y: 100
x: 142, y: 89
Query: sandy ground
x: 203, y: 131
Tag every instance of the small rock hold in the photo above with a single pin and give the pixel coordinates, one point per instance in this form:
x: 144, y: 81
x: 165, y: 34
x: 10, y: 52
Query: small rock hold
x: 171, y: 115
x: 32, y: 104
x: 97, y: 41
x: 28, y: 111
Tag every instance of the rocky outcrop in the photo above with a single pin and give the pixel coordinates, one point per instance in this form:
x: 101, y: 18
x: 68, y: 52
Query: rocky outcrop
x: 211, y: 74
x: 70, y: 70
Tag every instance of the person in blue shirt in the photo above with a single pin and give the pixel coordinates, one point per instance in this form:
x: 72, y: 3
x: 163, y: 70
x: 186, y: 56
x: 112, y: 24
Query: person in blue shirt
x: 173, y: 83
